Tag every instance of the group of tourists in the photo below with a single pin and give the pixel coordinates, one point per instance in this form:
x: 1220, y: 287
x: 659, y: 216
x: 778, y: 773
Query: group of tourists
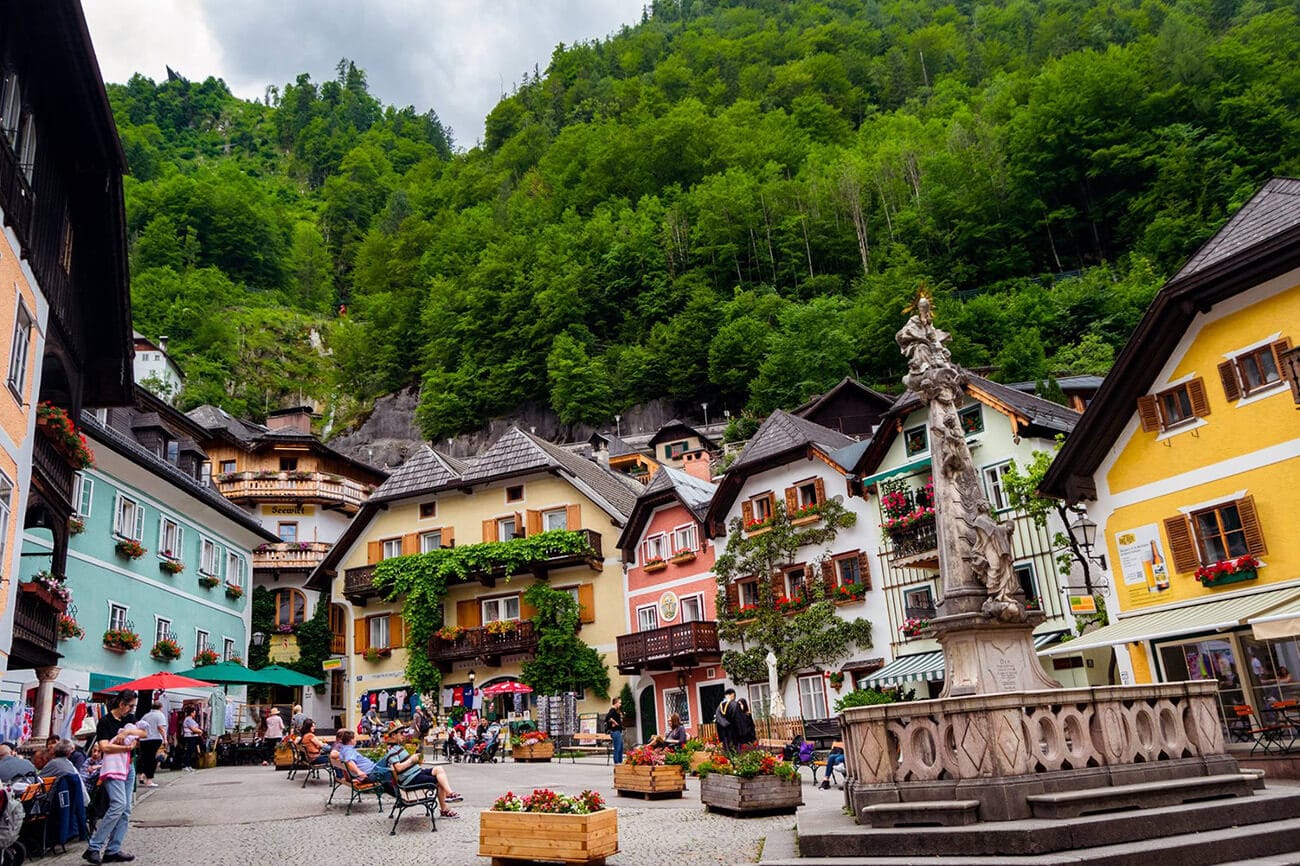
x: 735, y: 722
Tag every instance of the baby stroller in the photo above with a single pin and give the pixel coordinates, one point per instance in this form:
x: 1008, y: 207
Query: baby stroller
x: 484, y: 751
x: 453, y: 750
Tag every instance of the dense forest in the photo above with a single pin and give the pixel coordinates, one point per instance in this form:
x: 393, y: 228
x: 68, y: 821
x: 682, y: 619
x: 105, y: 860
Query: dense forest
x: 731, y: 201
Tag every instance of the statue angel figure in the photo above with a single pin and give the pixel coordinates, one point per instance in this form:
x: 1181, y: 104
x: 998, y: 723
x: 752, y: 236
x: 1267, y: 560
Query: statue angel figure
x: 922, y: 343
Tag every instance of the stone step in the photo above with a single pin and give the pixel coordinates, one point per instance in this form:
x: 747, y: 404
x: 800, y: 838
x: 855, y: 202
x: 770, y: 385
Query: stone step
x: 925, y: 813
x: 828, y: 835
x: 1143, y: 795
x: 1266, y: 843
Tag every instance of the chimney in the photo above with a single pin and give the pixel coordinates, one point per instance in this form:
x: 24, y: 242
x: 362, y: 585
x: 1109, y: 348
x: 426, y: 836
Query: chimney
x: 699, y: 464
x: 296, y: 418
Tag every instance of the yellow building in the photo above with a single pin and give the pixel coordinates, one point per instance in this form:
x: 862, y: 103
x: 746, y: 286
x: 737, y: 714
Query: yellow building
x: 1189, y: 460
x: 520, y: 487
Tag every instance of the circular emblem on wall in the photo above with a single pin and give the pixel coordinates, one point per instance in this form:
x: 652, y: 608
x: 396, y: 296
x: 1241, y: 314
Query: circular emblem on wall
x: 667, y: 607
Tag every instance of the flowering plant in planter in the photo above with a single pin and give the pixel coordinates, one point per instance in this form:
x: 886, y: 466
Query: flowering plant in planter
x: 374, y: 654
x: 836, y: 679
x: 69, y: 628
x: 207, y: 581
x: 206, y: 656
x: 748, y: 764
x: 754, y: 524
x: 76, y: 525
x: 122, y: 639
x: 528, y: 738
x: 130, y: 548
x: 53, y: 584
x: 450, y: 632
x: 808, y: 510
x: 655, y: 564
x: 644, y: 756
x: 502, y: 627
x: 850, y: 592
x: 235, y: 591
x: 550, y: 802
x: 748, y: 610
x: 910, y: 520
x: 1227, y: 568
x: 236, y: 658
x: 912, y: 626
x: 791, y: 605
x: 166, y: 650
x: 171, y: 566
x: 53, y: 423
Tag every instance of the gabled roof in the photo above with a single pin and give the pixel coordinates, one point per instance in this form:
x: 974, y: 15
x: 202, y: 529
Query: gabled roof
x: 250, y: 436
x: 1082, y: 382
x: 668, y: 485
x: 618, y: 447
x: 847, y: 384
x: 1261, y: 242
x: 674, y: 429
x: 424, y: 471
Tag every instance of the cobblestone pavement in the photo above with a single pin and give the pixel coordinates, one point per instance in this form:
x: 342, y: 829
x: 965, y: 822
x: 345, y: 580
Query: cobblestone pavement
x: 245, y: 816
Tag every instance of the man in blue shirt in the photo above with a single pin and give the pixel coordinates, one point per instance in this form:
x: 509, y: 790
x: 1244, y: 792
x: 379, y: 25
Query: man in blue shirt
x: 358, y: 764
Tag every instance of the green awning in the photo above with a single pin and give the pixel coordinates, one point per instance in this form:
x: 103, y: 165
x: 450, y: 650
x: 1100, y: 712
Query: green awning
x: 922, y: 666
x: 100, y: 682
x: 898, y: 471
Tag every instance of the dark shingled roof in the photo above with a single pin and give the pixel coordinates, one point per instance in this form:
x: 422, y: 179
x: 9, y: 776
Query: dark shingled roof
x: 783, y: 432
x: 249, y: 435
x: 425, y: 470
x: 668, y: 484
x: 615, y: 488
x: 677, y: 424
x: 1272, y: 210
x: 1040, y: 412
x: 1083, y: 382
x: 215, y: 418
x: 619, y: 448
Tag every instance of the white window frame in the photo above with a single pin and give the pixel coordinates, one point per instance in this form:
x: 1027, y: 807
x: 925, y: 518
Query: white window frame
x: 813, y: 694
x: 685, y: 706
x: 83, y: 494
x: 177, y: 546
x: 209, y: 557
x: 760, y: 699
x: 162, y: 627
x: 116, y: 622
x: 377, y: 627
x: 20, y: 350
x: 135, y: 531
x: 6, y: 497
x: 498, y: 608
x: 992, y: 476
x: 279, y: 531
x: 390, y: 548
x: 235, y: 568
x: 426, y: 538
x: 228, y: 648
x: 654, y: 547
x: 685, y: 538
x: 12, y: 108
x: 697, y: 601
x: 202, y: 640
x: 551, y: 514
x: 27, y: 147
x: 647, y: 617
x: 502, y: 535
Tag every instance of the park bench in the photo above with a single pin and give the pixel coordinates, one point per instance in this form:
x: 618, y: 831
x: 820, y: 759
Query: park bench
x: 591, y: 744
x: 357, y: 787
x: 819, y: 763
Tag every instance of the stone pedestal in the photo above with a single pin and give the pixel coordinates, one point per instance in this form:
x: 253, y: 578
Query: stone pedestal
x: 44, y: 708
x: 983, y: 656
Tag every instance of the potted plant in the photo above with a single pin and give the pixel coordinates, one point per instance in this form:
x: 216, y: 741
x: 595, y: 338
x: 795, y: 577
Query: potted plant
x: 532, y: 746
x: 756, y: 525
x: 69, y: 628
x: 682, y: 557
x: 76, y: 525
x: 207, y: 581
x: 645, y: 771
x: 129, y: 548
x: 850, y: 592
x: 236, y: 658
x: 206, y: 656
x: 234, y: 591
x: 1229, y: 571
x: 658, y: 563
x: 547, y: 825
x: 751, y: 783
x: 171, y: 566
x: 54, y: 424
x: 166, y: 650
x: 805, y: 514
x: 374, y: 654
x: 836, y: 679
x: 501, y: 627
x: 912, y: 627
x: 121, y: 640
x: 450, y: 633
x: 49, y: 588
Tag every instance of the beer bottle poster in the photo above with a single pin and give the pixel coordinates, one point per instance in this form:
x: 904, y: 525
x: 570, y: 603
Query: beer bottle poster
x: 1142, y: 560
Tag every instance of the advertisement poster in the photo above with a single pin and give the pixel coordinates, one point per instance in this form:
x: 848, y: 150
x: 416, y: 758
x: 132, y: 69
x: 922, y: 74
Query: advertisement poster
x: 1142, y: 561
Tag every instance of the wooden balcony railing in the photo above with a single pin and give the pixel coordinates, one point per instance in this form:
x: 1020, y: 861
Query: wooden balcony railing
x: 330, y: 491
x: 683, y: 645
x: 36, y: 623
x: 359, y: 584
x: 479, y: 644
x: 53, y: 469
x: 16, y: 196
x: 917, y: 546
x: 302, y: 555
x: 542, y: 568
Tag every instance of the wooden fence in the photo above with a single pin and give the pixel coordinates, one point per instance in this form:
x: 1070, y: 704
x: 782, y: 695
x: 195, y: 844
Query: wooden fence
x: 783, y: 729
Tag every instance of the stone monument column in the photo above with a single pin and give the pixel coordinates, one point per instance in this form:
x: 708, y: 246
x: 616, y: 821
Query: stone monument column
x: 44, y: 709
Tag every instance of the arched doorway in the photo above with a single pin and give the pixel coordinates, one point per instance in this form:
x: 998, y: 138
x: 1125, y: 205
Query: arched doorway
x: 645, y: 711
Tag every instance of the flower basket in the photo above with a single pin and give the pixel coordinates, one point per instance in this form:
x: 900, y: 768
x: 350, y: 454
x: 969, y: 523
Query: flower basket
x: 532, y: 747
x: 374, y: 654
x: 849, y: 593
x: 501, y: 627
x: 1229, y: 571
x: 54, y: 424
x: 171, y: 566
x: 810, y: 513
x: 450, y: 633
x: 234, y: 591
x: 121, y: 640
x: 49, y: 589
x: 69, y: 628
x: 644, y: 773
x: 165, y: 650
x: 76, y: 525
x: 836, y: 679
x: 760, y: 795
x: 129, y: 548
x: 205, y: 657
x: 682, y: 557
x: 654, y: 565
x: 755, y: 527
x: 913, y: 627
x: 207, y: 581
x: 549, y: 826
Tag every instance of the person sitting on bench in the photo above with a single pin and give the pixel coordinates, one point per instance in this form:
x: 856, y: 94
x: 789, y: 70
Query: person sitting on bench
x: 361, y: 767
x: 674, y: 739
x: 833, y: 760
x: 408, y: 773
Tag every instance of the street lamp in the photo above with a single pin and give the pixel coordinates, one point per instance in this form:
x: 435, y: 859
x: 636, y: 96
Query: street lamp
x: 706, y: 414
x: 1083, y: 532
x: 258, y: 638
x: 618, y: 425
x: 471, y: 680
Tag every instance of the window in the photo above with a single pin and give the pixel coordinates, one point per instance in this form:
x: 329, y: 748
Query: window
x: 288, y: 464
x: 684, y: 538
x: 505, y: 528
x: 430, y: 541
x: 555, y: 519
x: 693, y: 608
x: 500, y: 608
x: 1253, y: 370
x: 209, y: 557
x: 812, y: 697
x: 173, y: 455
x: 1025, y: 575
x: 647, y: 617
x: 515, y: 493
x: 1173, y: 407
x: 336, y: 690
x: 760, y: 699
x: 848, y: 570
x: 228, y: 649
x: 749, y: 593
x: 391, y: 547
x: 83, y: 489
x: 675, y: 701
x: 1220, y: 534
x: 116, y: 615
x: 807, y: 494
x: 655, y: 547
x: 1213, y: 534
x: 1176, y: 406
x: 761, y: 508
x: 234, y: 569
x: 919, y: 603
x: 796, y: 580
x: 128, y: 519
x: 673, y: 450
x: 915, y: 440
x: 27, y: 148
x: 170, y: 536
x: 162, y: 628
x: 378, y: 628
x: 428, y: 510
x: 972, y: 419
x: 200, y: 640
x: 287, y: 530
x: 6, y: 498
x: 993, y: 486
x: 290, y: 607
x: 205, y: 473
x: 11, y: 108
x: 20, y: 351
x: 228, y: 466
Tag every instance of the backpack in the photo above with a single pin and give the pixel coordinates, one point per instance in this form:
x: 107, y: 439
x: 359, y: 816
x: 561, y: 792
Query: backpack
x: 805, y: 752
x: 11, y: 817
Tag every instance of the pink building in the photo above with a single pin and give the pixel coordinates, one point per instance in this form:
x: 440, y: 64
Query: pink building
x: 672, y: 652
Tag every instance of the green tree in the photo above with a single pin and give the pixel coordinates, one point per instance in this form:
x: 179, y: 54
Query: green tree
x: 563, y: 662
x: 580, y: 390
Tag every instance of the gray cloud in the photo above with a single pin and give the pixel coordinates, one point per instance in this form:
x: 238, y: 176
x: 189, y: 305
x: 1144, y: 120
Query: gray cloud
x: 456, y: 58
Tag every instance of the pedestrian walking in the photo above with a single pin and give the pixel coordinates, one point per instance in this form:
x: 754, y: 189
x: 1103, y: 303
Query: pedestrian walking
x: 110, y: 833
x: 724, y: 717
x: 191, y: 739
x: 154, y: 723
x: 614, y: 727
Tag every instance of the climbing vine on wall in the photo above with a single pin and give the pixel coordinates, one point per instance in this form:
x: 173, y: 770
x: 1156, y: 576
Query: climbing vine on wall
x: 563, y: 661
x: 421, y: 581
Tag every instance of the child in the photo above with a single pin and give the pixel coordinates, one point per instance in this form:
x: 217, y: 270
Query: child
x: 117, y: 765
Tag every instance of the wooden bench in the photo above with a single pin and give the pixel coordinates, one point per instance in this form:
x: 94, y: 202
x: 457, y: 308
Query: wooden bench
x: 357, y: 787
x: 592, y: 744
x: 820, y: 763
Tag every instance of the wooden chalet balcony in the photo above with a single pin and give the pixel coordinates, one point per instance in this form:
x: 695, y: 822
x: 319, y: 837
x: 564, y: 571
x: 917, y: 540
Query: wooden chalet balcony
x: 53, y: 470
x: 542, y: 568
x: 36, y: 629
x: 359, y: 584
x: 328, y: 491
x: 660, y: 649
x: 479, y: 645
x: 915, y: 547
x: 290, y: 555
x: 16, y: 196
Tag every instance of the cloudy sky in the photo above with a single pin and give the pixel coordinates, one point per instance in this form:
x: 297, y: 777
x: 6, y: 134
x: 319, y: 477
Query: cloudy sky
x: 454, y: 56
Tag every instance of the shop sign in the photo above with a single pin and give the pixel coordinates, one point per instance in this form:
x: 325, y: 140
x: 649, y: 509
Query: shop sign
x: 1082, y: 604
x: 338, y: 664
x: 289, y: 510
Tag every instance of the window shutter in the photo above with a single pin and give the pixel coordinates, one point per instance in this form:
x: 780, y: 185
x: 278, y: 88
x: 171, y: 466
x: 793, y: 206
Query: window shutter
x: 573, y: 517
x: 586, y: 603
x: 1280, y: 346
x: 733, y: 597
x: 396, y: 631
x: 791, y: 500
x: 410, y: 543
x: 374, y: 552
x: 820, y: 484
x: 469, y: 614
x: 489, y: 530
x: 139, y: 522
x: 179, y: 550
x: 519, y: 525
x: 1228, y: 375
x: 777, y: 582
x: 1250, y: 526
x: 532, y: 521
x: 1182, y: 547
x: 864, y: 570
x: 448, y: 536
x: 828, y: 576
x: 162, y: 542
x: 1148, y: 414
x: 360, y: 636
x: 117, y: 514
x: 1200, y: 403
x: 746, y: 512
x: 526, y: 610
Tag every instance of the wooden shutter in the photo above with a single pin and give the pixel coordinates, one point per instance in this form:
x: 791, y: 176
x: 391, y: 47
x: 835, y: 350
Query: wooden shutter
x: 526, y: 610
x: 746, y: 512
x: 1280, y: 346
x: 821, y: 489
x: 360, y: 636
x: 1200, y: 402
x: 532, y: 522
x: 777, y: 582
x: 573, y: 517
x: 519, y: 526
x: 1182, y: 547
x: 469, y: 613
x: 791, y: 499
x: 733, y: 597
x: 1250, y: 526
x: 1148, y: 413
x: 490, y: 530
x: 828, y: 577
x: 864, y: 570
x: 396, y: 631
x: 374, y: 552
x: 449, y: 536
x: 410, y: 543
x: 1228, y: 375
x: 586, y: 603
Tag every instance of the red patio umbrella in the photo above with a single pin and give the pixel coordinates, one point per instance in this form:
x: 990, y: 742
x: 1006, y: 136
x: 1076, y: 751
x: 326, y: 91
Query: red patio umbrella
x: 509, y: 687
x: 160, y: 680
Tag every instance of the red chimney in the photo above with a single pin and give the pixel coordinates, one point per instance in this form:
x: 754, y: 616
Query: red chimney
x: 296, y: 418
x: 699, y: 463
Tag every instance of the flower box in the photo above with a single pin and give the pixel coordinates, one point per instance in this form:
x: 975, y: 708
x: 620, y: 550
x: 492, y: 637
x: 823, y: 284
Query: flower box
x: 1235, y: 577
x: 761, y: 795
x: 682, y: 557
x: 171, y: 566
x: 207, y: 581
x: 805, y: 520
x: 205, y: 657
x: 234, y: 591
x: 53, y: 423
x: 534, y: 752
x: 758, y: 528
x: 698, y: 759
x: 661, y: 781
x: 165, y: 650
x: 121, y: 640
x: 655, y: 565
x: 534, y: 836
x: 374, y: 654
x: 43, y: 592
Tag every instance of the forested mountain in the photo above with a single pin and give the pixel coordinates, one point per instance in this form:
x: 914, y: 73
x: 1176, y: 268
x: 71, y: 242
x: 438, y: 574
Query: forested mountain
x: 732, y: 201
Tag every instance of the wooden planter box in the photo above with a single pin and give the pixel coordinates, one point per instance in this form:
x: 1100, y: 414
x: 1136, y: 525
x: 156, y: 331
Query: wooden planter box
x: 652, y: 567
x: 510, y: 837
x: 543, y: 751
x: 699, y: 759
x: 761, y: 795
x: 661, y: 781
x: 283, y: 755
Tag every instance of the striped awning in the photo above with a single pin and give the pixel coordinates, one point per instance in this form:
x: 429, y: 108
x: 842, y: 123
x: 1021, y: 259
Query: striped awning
x: 922, y: 666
